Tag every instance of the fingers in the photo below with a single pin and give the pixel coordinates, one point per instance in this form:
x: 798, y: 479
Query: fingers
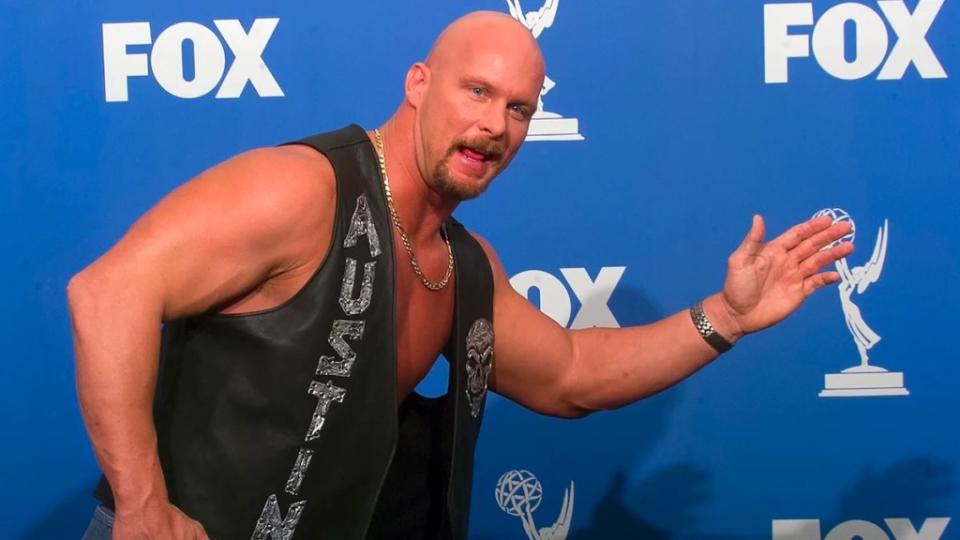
x: 799, y: 233
x: 819, y: 259
x: 817, y: 281
x: 815, y: 243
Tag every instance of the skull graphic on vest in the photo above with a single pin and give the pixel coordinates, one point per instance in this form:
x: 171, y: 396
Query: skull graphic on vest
x: 479, y: 362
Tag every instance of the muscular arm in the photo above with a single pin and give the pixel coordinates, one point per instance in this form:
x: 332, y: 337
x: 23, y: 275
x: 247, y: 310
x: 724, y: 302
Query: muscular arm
x: 220, y: 236
x: 571, y: 373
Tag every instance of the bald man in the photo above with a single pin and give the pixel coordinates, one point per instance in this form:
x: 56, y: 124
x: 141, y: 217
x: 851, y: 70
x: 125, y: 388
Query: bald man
x: 303, y: 291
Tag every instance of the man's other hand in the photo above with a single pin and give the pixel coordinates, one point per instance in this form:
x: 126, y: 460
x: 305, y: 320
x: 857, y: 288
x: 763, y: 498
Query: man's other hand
x: 766, y: 282
x: 159, y: 521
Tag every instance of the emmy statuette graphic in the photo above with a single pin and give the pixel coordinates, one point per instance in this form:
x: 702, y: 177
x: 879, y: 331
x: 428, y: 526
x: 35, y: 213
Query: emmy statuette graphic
x: 863, y: 379
x: 519, y: 494
x: 545, y: 126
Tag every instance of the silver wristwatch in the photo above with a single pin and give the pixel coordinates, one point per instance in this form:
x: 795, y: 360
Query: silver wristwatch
x: 707, y: 331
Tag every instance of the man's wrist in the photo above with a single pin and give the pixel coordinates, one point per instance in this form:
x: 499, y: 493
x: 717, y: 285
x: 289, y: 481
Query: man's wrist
x: 721, y: 316
x: 137, y: 492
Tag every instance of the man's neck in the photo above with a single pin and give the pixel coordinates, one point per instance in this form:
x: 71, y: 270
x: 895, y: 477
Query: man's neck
x: 422, y: 211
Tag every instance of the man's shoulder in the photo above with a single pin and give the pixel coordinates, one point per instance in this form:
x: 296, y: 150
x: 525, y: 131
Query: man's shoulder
x: 346, y: 136
x: 293, y: 161
x: 284, y: 174
x: 484, y: 243
x: 276, y: 188
x: 495, y: 265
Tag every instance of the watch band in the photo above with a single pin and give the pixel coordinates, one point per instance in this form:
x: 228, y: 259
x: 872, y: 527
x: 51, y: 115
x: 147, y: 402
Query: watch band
x: 707, y: 331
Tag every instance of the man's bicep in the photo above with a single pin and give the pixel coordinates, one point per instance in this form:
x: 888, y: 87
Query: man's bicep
x: 533, y: 355
x: 213, y: 238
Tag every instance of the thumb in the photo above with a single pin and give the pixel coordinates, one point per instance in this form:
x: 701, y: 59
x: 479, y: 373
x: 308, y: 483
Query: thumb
x: 753, y: 242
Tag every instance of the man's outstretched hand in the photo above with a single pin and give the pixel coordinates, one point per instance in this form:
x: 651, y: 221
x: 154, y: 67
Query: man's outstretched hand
x: 767, y: 282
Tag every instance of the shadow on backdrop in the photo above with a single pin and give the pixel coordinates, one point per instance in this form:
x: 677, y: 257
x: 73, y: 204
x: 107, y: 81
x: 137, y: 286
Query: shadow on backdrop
x: 914, y: 488
x: 661, y: 507
x: 613, y: 518
x: 670, y: 497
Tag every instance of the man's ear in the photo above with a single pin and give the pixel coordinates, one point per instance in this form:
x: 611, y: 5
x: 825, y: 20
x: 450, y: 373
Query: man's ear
x: 416, y: 83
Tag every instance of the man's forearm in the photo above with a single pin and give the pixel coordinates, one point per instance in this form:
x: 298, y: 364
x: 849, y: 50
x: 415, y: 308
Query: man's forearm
x: 116, y: 340
x: 617, y: 366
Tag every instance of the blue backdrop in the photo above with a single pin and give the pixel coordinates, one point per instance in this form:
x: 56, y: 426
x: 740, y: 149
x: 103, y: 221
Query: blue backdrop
x: 688, y: 127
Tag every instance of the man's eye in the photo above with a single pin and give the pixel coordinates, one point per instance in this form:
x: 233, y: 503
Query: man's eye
x: 520, y: 111
x: 479, y: 91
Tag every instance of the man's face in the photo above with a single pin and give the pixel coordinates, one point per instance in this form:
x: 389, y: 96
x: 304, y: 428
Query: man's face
x: 474, y: 115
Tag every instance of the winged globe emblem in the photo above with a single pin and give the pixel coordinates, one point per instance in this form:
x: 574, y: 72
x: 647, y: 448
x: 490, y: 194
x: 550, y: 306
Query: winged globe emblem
x: 519, y: 494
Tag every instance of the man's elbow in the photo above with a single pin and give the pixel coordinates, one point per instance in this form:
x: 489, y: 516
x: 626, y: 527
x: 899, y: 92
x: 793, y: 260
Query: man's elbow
x: 554, y: 403
x: 572, y: 398
x: 87, y: 298
x: 567, y: 405
x: 571, y: 411
x: 78, y: 292
x: 81, y: 302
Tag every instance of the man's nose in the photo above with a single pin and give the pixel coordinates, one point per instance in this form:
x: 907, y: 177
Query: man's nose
x: 494, y: 120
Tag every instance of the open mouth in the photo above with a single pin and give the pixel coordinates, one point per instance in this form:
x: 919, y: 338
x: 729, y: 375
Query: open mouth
x: 478, y: 155
x: 474, y: 155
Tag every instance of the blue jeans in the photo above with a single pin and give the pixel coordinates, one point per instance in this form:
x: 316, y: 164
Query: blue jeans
x: 101, y: 526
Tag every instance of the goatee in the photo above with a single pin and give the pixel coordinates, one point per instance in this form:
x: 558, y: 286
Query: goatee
x: 446, y: 185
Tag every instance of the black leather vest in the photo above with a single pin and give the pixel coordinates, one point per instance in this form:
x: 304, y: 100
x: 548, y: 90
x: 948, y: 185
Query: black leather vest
x: 284, y: 424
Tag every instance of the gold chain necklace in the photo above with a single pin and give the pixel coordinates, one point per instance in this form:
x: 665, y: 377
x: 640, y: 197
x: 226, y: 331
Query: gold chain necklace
x: 403, y: 233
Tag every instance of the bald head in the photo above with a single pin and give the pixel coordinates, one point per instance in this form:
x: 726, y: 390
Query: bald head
x: 485, y: 31
x: 468, y: 106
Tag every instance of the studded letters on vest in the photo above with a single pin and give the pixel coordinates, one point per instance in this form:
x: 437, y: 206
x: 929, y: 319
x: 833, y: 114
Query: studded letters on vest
x: 272, y: 524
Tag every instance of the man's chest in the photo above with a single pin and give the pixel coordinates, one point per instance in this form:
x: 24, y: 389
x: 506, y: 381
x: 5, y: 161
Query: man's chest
x: 424, y: 323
